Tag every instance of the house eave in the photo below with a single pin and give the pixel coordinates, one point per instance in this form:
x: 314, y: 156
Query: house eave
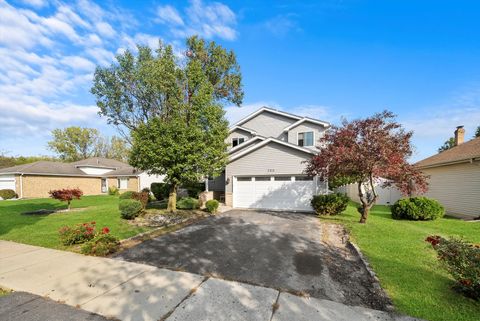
x: 461, y: 161
x: 265, y: 142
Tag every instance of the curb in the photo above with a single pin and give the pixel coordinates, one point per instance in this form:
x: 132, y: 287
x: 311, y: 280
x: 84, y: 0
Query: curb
x: 376, y: 281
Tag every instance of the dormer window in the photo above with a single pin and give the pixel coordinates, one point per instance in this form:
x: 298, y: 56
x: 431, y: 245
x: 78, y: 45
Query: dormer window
x: 237, y: 141
x: 305, y: 139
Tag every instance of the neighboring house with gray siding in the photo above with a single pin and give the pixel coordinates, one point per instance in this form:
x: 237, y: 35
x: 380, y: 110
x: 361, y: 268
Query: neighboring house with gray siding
x: 267, y: 154
x: 454, y: 176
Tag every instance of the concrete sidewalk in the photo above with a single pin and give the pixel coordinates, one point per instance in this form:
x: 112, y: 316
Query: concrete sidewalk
x: 131, y: 291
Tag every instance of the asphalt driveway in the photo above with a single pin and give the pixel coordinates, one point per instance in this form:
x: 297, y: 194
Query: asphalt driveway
x: 286, y: 251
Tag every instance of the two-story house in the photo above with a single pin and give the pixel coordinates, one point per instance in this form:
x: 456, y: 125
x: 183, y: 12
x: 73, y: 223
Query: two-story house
x: 267, y: 153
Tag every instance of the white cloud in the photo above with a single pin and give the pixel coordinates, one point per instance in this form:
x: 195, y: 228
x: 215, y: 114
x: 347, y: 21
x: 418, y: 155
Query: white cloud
x: 105, y: 29
x: 282, y: 24
x: 207, y: 20
x: 168, y: 15
x: 78, y: 63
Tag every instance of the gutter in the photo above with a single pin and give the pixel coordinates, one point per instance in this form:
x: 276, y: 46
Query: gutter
x: 467, y: 160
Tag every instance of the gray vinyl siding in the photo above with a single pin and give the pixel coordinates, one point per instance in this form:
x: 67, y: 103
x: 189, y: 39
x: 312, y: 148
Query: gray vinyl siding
x: 271, y: 159
x: 269, y: 124
x: 237, y: 133
x: 318, y: 131
x: 457, y: 187
x: 258, y: 141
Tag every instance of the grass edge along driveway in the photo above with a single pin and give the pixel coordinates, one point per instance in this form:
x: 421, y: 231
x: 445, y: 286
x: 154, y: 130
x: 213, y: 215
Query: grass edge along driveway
x: 407, y: 266
x: 42, y: 230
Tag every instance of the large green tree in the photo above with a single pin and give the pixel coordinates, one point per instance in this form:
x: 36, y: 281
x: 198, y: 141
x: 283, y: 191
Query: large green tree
x: 172, y: 108
x: 74, y: 143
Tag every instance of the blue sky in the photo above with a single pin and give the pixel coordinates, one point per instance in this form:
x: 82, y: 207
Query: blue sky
x: 325, y: 59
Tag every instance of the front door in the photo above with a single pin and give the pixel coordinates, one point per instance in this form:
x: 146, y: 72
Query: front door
x: 104, y: 185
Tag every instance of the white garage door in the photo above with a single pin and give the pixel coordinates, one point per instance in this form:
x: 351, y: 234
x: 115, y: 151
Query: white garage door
x: 274, y: 192
x: 7, y: 182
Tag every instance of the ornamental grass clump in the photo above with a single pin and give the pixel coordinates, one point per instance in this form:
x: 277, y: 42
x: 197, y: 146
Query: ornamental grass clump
x: 462, y: 261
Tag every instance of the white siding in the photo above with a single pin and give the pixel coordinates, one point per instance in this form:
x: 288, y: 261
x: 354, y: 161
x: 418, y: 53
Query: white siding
x: 269, y: 124
x: 147, y: 180
x: 94, y: 170
x: 457, y: 187
x: 271, y: 159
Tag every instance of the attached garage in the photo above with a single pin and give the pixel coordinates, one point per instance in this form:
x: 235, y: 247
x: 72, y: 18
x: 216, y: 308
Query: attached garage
x: 280, y: 192
x: 270, y: 175
x: 7, y: 182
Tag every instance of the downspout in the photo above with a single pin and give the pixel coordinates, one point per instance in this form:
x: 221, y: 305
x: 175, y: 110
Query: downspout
x: 21, y: 185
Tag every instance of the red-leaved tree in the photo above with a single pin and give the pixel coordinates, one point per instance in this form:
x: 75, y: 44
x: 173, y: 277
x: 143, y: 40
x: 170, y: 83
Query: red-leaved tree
x: 367, y: 150
x: 66, y: 195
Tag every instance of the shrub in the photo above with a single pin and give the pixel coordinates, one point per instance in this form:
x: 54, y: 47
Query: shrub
x: 7, y: 194
x: 66, y: 195
x: 129, y: 209
x: 417, y: 208
x: 330, y: 204
x: 142, y: 197
x: 187, y: 203
x: 149, y: 193
x: 462, y: 261
x: 77, y: 234
x: 102, y: 245
x: 112, y: 190
x: 126, y: 195
x: 160, y: 190
x: 212, y: 206
x: 194, y: 189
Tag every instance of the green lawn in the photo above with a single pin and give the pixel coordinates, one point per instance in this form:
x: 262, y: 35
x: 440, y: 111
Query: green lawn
x: 406, y: 265
x: 42, y: 230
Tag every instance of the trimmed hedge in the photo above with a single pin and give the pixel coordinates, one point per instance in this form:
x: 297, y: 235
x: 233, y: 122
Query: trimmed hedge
x: 212, y: 206
x: 330, y: 204
x: 160, y: 190
x: 7, y: 194
x: 129, y: 209
x: 417, y: 209
x: 187, y: 203
x: 126, y: 195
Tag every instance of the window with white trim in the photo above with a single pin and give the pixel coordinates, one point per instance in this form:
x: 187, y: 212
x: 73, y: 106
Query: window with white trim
x: 122, y: 183
x: 237, y: 141
x: 305, y: 139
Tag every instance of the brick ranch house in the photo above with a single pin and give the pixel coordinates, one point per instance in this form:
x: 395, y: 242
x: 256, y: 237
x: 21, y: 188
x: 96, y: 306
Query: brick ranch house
x: 93, y: 176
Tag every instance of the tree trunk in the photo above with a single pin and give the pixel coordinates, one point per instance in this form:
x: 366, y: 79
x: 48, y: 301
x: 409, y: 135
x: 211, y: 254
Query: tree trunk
x: 364, y: 214
x: 172, y: 198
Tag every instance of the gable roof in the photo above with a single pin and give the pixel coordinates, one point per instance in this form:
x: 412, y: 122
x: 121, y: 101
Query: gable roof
x: 463, y: 152
x: 245, y: 144
x: 307, y: 119
x: 50, y: 168
x: 266, y: 109
x: 248, y: 130
x: 267, y: 141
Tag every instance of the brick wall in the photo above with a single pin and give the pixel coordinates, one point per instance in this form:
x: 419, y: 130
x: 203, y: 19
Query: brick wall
x: 39, y: 186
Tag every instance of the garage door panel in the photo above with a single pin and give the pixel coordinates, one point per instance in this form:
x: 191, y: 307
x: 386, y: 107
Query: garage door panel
x: 274, y: 194
x: 7, y: 182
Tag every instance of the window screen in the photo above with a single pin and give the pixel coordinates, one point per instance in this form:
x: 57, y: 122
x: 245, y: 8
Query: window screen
x: 305, y: 139
x: 303, y: 178
x: 244, y: 179
x: 237, y: 141
x: 262, y: 178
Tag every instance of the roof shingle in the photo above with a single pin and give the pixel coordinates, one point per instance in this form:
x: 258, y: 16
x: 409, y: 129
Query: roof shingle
x: 465, y: 151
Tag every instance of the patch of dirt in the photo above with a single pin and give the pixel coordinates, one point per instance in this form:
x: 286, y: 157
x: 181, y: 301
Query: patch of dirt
x: 347, y: 269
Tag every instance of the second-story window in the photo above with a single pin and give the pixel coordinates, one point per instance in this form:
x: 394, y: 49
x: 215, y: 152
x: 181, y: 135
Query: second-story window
x: 305, y: 139
x: 237, y: 141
